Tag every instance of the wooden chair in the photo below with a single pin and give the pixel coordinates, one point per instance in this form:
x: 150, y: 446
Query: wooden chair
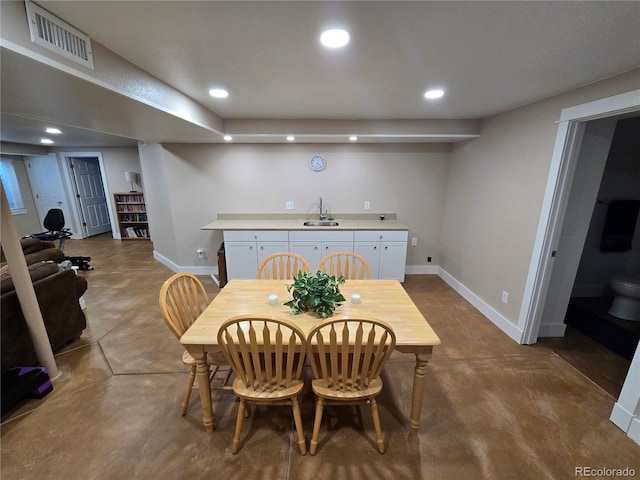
x: 350, y: 265
x: 182, y: 300
x: 267, y: 355
x: 347, y: 356
x: 282, y: 266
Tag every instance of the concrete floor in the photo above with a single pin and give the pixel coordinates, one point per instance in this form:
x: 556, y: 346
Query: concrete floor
x: 492, y: 409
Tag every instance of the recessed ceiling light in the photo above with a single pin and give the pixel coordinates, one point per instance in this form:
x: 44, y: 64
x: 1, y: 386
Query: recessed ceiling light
x: 353, y: 138
x: 228, y: 138
x: 334, y: 38
x: 218, y: 93
x: 46, y: 140
x: 53, y: 131
x: 433, y: 94
x: 291, y: 138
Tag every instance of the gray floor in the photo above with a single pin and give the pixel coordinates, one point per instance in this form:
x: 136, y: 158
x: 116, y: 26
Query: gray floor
x: 492, y: 408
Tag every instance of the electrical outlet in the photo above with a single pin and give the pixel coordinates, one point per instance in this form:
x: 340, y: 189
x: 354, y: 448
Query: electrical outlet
x: 200, y: 253
x: 505, y: 297
x: 414, y: 241
x: 428, y: 259
x: 367, y: 205
x: 288, y: 205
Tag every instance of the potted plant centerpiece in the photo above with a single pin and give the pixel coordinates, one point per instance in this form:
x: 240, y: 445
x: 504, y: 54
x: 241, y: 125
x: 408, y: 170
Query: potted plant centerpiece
x: 319, y: 293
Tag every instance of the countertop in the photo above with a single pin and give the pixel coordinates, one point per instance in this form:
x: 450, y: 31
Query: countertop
x: 295, y: 222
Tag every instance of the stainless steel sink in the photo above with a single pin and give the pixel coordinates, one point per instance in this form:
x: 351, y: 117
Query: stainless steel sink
x: 320, y: 223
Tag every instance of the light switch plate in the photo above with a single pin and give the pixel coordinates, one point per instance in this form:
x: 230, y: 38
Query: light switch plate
x: 367, y: 205
x: 288, y: 205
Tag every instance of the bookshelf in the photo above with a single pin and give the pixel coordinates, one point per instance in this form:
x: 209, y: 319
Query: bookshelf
x: 132, y: 216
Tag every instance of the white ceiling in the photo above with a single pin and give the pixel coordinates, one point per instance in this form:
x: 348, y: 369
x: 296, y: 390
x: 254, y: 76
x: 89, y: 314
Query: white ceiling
x: 489, y: 57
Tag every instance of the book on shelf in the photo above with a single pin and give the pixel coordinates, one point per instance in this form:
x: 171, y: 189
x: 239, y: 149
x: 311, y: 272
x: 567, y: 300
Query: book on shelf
x: 133, y: 232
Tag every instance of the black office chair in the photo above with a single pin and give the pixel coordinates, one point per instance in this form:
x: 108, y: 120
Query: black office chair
x: 54, y: 223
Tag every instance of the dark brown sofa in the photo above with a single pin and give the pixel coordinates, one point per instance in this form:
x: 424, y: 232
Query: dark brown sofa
x: 58, y: 293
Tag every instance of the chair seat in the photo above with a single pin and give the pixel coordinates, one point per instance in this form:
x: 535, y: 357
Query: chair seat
x: 321, y: 389
x: 256, y: 396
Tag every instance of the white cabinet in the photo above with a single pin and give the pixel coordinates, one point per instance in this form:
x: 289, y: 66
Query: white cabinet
x: 313, y: 245
x: 245, y: 250
x: 385, y: 251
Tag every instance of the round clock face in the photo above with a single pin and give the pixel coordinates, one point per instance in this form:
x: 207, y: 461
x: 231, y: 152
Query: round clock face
x: 317, y: 163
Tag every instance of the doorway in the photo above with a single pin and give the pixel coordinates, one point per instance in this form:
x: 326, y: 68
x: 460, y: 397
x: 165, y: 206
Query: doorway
x: 597, y: 344
x: 90, y: 193
x: 571, y: 127
x: 47, y: 187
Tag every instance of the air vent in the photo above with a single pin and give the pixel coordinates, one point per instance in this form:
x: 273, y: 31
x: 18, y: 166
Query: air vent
x: 50, y: 32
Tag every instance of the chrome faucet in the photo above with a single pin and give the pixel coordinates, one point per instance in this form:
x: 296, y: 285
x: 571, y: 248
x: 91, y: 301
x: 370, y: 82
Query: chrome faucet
x: 322, y: 216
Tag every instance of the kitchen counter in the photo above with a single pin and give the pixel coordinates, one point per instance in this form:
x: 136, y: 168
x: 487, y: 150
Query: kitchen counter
x: 295, y: 222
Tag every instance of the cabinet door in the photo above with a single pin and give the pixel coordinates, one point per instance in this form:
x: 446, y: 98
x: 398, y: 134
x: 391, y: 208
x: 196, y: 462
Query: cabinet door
x: 393, y: 256
x: 310, y: 251
x: 370, y: 251
x: 333, y: 247
x: 242, y: 259
x: 268, y: 248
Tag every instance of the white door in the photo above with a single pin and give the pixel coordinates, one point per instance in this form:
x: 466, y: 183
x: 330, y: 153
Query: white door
x: 91, y: 195
x: 47, y: 186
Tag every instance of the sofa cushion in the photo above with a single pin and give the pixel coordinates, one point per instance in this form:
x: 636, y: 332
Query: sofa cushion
x: 37, y: 271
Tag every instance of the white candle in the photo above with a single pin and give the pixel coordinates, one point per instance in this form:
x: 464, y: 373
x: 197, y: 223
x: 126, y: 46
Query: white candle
x: 355, y: 298
x: 273, y: 299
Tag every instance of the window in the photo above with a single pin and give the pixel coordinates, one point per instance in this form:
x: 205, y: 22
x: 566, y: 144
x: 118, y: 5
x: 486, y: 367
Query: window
x: 11, y: 186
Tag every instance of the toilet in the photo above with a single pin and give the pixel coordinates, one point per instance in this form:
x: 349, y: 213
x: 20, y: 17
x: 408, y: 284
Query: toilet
x: 626, y: 304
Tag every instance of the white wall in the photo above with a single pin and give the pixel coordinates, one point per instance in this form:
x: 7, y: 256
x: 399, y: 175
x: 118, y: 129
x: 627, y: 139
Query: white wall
x: 494, y: 195
x: 205, y: 180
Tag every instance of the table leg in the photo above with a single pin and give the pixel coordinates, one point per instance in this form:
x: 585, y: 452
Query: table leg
x: 422, y: 357
x: 202, y: 374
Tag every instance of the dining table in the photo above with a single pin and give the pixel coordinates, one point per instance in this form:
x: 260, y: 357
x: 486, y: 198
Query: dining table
x: 385, y: 300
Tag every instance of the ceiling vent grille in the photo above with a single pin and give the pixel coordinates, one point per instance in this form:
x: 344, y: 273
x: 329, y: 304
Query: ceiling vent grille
x: 50, y: 32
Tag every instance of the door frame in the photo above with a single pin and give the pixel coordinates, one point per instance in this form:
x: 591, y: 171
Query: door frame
x: 561, y: 172
x: 70, y: 184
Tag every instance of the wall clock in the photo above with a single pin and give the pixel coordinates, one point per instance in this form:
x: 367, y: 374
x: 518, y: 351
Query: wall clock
x: 317, y: 163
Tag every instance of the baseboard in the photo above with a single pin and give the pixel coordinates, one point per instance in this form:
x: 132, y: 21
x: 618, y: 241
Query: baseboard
x: 634, y: 430
x: 196, y: 270
x: 552, y: 330
x: 487, y: 310
x: 421, y: 270
x: 622, y: 418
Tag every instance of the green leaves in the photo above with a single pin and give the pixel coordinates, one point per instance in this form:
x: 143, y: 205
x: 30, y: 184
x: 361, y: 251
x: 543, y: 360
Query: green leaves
x: 320, y: 294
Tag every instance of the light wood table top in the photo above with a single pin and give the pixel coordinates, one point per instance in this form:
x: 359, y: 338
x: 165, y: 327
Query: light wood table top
x: 383, y: 299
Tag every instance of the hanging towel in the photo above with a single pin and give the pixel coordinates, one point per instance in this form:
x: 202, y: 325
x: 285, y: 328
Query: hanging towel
x: 619, y: 226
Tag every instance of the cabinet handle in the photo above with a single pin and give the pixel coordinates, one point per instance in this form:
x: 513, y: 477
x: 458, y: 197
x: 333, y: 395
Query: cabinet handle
x: 380, y: 237
x: 262, y: 248
x: 315, y: 248
x: 386, y: 248
x: 250, y: 248
x: 326, y: 248
x: 375, y: 248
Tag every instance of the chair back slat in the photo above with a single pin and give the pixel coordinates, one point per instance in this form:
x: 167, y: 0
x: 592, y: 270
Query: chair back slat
x: 265, y: 352
x: 348, y: 264
x: 282, y: 266
x: 348, y: 353
x: 182, y: 299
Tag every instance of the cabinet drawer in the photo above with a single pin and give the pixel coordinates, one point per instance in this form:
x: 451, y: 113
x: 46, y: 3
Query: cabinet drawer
x: 381, y: 235
x: 256, y: 236
x: 321, y: 236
